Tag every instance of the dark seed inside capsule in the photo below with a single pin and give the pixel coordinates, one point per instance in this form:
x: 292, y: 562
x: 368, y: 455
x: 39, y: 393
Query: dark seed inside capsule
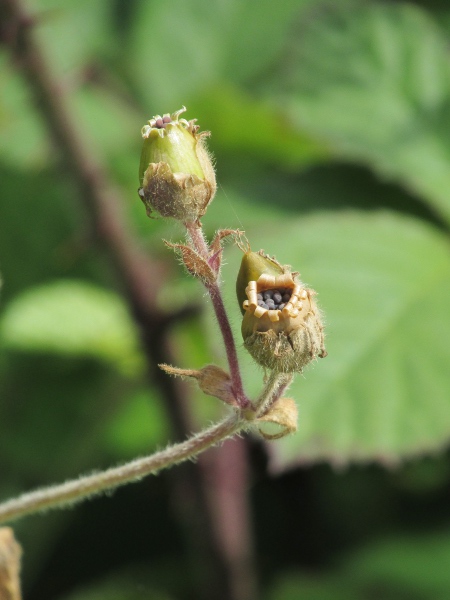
x: 277, y: 297
x: 274, y: 299
x: 167, y: 120
x: 159, y: 123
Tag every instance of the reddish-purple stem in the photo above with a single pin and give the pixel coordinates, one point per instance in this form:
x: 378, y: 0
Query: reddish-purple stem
x: 196, y: 234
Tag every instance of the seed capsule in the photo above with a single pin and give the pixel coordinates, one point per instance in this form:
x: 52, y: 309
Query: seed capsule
x: 283, y: 336
x: 175, y: 173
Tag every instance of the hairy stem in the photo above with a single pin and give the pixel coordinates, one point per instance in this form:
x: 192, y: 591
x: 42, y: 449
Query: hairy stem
x: 74, y: 491
x: 273, y: 390
x: 198, y: 240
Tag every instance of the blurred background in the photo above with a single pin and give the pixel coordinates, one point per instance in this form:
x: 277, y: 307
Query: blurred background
x: 330, y: 128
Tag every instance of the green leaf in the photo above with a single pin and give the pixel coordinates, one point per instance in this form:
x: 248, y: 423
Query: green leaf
x: 241, y: 124
x: 73, y: 318
x: 384, y: 286
x: 182, y: 48
x: 138, y: 426
x: 73, y: 32
x: 373, y: 83
x: 22, y: 135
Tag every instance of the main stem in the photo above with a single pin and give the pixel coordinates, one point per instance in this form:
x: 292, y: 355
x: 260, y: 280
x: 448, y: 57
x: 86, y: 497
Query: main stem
x: 71, y: 492
x: 196, y: 234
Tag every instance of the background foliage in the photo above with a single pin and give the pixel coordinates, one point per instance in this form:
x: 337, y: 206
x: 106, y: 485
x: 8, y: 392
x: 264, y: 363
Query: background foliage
x: 331, y: 132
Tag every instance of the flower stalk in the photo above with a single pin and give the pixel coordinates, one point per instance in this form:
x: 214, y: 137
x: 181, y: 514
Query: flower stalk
x: 195, y: 233
x: 72, y: 492
x: 281, y: 328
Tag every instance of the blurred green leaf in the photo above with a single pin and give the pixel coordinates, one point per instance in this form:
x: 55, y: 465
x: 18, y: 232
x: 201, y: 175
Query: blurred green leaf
x: 22, y: 135
x: 248, y: 127
x: 384, y: 286
x: 73, y: 318
x: 181, y: 48
x: 138, y: 426
x: 373, y: 83
x: 72, y: 32
x: 309, y: 587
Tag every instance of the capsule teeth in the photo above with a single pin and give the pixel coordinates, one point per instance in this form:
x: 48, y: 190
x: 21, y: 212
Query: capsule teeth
x: 293, y: 301
x: 252, y: 299
x: 274, y: 315
x: 260, y: 311
x: 303, y: 295
x: 266, y: 281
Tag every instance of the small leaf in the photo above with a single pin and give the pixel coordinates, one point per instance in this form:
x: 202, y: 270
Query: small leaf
x: 215, y: 259
x: 284, y: 414
x: 212, y: 380
x: 194, y: 263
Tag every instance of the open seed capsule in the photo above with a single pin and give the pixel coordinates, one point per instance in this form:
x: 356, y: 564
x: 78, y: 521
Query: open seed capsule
x: 280, y: 335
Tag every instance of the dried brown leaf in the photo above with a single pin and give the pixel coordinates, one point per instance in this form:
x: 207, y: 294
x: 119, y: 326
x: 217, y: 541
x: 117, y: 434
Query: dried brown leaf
x: 10, y: 553
x: 194, y: 263
x: 283, y: 413
x: 212, y: 380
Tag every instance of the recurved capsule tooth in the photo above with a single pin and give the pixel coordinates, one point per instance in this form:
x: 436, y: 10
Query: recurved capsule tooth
x: 274, y: 315
x: 285, y: 281
x: 288, y: 309
x: 252, y: 299
x: 297, y: 291
x: 293, y: 301
x: 259, y: 312
x: 266, y: 281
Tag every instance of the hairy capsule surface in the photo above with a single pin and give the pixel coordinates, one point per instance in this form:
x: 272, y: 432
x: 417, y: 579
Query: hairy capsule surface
x: 281, y: 327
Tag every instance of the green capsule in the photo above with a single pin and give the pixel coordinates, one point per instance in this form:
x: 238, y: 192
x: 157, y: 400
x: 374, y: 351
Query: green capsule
x: 175, y: 172
x: 253, y: 265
